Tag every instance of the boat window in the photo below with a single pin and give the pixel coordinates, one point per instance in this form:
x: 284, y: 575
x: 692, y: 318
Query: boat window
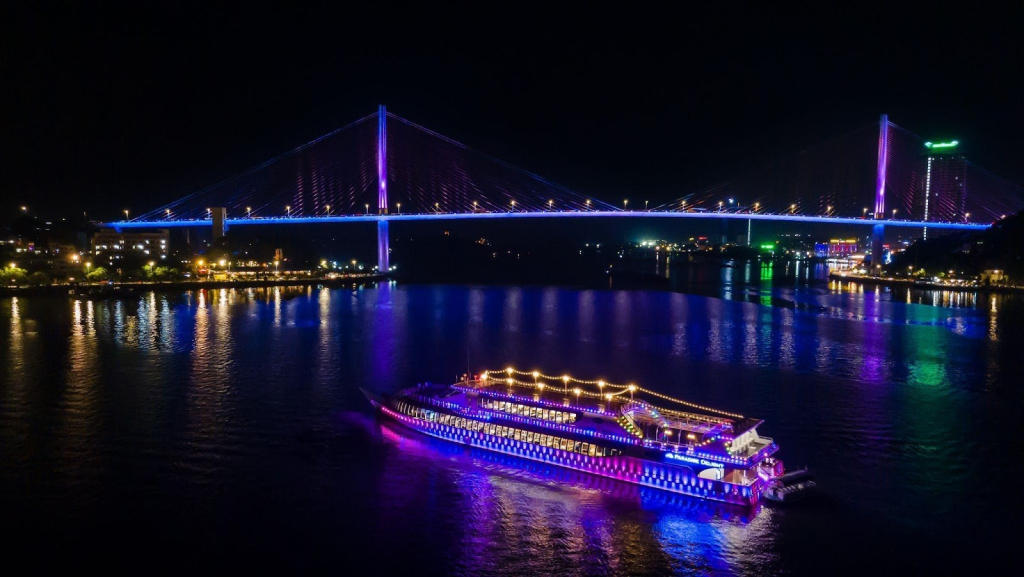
x: 585, y: 448
x: 576, y: 447
x: 593, y: 450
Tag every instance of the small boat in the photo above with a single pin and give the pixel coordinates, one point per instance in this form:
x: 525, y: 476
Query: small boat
x: 791, y: 487
x: 622, y: 432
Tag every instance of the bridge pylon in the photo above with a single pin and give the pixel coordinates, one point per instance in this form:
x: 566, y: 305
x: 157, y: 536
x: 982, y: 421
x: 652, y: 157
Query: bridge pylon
x: 383, y: 248
x: 382, y: 160
x: 878, y: 232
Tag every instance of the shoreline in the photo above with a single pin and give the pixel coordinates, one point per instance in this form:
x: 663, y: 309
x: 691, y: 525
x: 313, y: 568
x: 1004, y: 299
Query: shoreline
x: 898, y: 282
x: 121, y: 288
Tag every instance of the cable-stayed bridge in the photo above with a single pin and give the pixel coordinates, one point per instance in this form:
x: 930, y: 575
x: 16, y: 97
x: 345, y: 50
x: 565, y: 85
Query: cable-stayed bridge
x: 384, y: 168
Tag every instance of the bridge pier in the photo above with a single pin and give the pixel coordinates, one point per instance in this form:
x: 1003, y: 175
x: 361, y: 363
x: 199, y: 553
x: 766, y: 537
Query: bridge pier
x: 877, y: 240
x: 383, y: 256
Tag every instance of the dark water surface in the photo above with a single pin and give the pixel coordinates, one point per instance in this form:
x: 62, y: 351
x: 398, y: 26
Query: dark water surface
x: 225, y: 430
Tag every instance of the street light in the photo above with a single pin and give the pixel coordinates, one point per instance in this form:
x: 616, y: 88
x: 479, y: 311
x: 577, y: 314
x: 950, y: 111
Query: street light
x: 550, y: 202
x: 513, y: 205
x: 865, y: 214
x: 24, y: 209
x: 209, y: 213
x: 682, y: 205
x: 645, y: 204
x: 288, y: 210
x: 399, y: 208
x: 792, y: 209
x: 588, y: 204
x: 126, y: 214
x: 437, y: 207
x: 168, y: 214
x: 828, y: 210
x: 328, y: 207
x: 248, y: 212
x: 757, y: 206
x: 625, y: 203
x: 966, y: 216
x: 894, y: 212
x: 720, y: 203
x: 474, y: 206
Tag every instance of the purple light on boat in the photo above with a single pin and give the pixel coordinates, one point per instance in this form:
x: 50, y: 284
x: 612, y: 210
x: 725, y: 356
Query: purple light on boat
x: 623, y: 468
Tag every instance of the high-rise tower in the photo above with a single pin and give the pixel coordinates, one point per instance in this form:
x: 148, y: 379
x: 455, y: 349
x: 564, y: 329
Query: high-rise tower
x: 942, y: 192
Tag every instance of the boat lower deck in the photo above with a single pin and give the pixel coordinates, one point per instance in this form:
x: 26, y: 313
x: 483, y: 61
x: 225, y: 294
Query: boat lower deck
x: 664, y: 476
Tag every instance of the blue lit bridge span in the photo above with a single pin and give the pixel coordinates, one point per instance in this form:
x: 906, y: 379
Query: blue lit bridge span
x: 383, y: 168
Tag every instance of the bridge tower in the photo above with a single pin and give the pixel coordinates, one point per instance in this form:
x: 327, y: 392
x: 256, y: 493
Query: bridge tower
x: 382, y: 160
x: 383, y: 256
x: 878, y: 232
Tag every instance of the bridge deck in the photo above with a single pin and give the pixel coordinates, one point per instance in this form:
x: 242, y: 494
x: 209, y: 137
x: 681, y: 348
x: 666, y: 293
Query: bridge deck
x: 855, y: 221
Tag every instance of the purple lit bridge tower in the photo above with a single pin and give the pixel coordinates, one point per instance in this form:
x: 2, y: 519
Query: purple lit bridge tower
x: 878, y: 231
x: 410, y: 173
x: 383, y: 249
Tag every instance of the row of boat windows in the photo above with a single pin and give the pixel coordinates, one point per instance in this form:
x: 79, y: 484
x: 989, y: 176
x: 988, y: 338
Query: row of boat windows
x: 528, y: 411
x: 508, y: 432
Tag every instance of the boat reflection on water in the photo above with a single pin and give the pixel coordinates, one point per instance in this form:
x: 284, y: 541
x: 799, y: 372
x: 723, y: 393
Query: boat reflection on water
x: 519, y: 515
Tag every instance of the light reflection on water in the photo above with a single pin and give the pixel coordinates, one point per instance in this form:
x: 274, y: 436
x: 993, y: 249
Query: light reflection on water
x: 243, y: 407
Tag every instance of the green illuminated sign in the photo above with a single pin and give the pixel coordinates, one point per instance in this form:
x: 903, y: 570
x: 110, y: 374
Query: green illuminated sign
x: 767, y: 247
x: 949, y: 144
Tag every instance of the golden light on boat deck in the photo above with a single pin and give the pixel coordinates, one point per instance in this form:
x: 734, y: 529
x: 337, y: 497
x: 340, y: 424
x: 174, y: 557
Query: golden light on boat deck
x: 630, y: 388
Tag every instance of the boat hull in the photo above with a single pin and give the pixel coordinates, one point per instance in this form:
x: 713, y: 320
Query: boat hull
x: 661, y: 476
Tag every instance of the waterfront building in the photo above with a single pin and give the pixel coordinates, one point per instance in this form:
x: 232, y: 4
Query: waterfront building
x: 110, y: 246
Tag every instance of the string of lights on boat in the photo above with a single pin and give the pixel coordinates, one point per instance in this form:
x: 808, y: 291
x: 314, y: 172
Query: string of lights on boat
x: 539, y: 378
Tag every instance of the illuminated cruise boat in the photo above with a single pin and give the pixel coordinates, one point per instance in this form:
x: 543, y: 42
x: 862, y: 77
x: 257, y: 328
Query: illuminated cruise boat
x: 601, y: 428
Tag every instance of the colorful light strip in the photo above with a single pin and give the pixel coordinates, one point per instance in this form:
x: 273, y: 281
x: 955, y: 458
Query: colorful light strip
x: 468, y: 413
x: 838, y: 220
x: 665, y: 477
x: 950, y: 144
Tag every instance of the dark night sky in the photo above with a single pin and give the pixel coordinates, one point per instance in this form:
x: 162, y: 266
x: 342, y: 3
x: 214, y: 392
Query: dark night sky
x: 112, y: 105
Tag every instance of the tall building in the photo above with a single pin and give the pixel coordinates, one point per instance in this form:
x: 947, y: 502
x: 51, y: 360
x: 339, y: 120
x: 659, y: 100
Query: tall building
x: 942, y: 190
x: 110, y: 247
